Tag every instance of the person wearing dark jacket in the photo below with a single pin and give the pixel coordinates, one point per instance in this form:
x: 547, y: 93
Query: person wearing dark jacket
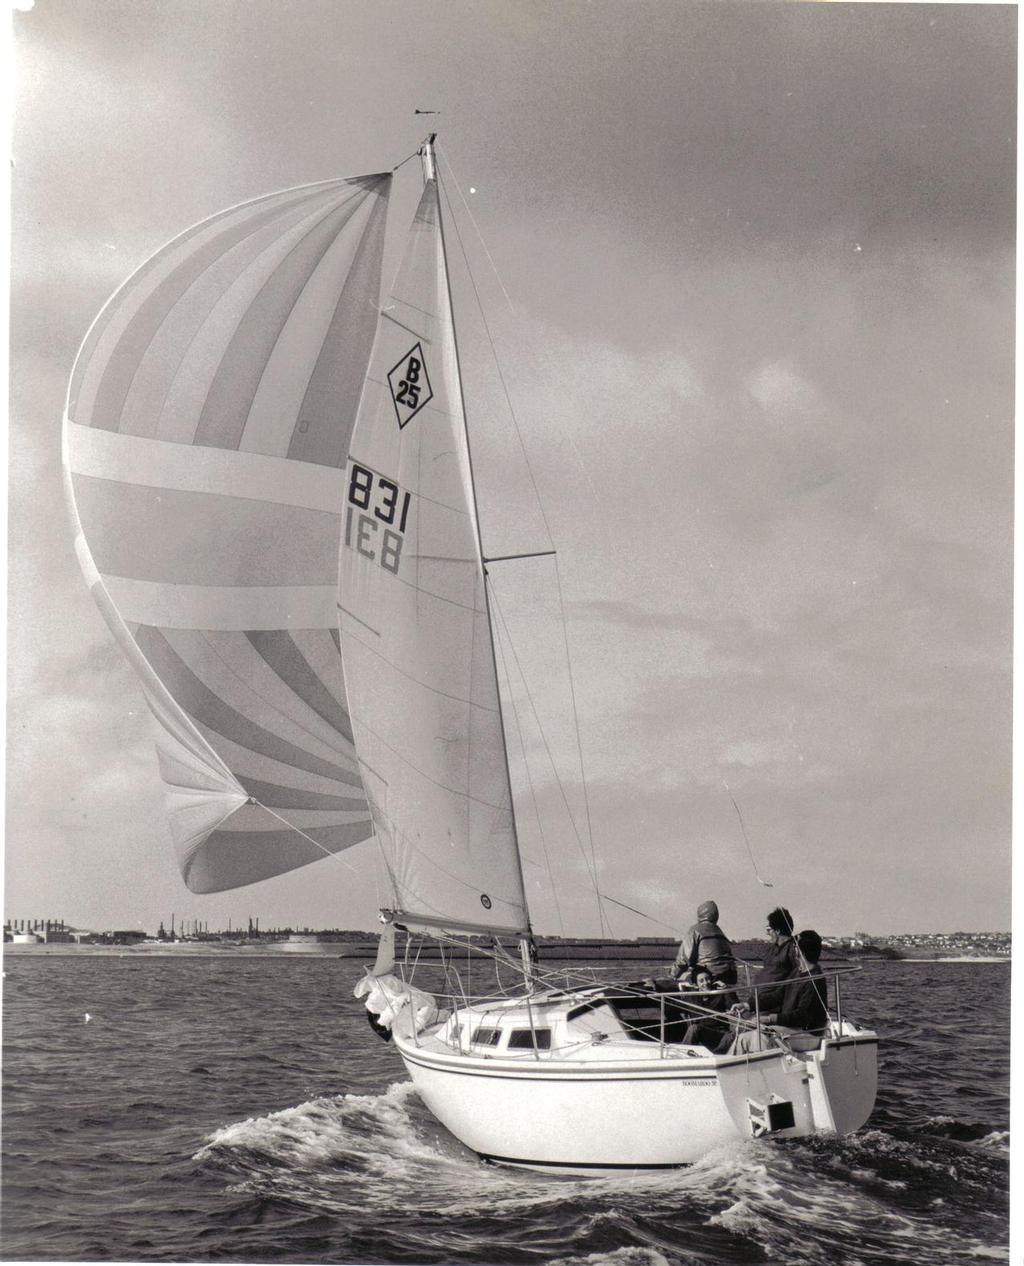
x: 707, y: 1030
x: 804, y: 1007
x: 803, y: 1003
x: 781, y: 960
x: 706, y: 945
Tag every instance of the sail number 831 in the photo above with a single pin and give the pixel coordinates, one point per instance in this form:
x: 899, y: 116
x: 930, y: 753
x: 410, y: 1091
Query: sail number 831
x: 375, y: 517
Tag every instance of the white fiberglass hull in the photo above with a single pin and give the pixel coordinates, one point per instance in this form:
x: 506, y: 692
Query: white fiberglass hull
x: 609, y: 1114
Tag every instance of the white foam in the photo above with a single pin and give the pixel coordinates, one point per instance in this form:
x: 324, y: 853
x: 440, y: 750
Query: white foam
x: 321, y: 1130
x: 353, y: 1153
x: 632, y: 1255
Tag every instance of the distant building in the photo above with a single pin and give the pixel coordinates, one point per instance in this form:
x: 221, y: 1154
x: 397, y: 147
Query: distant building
x: 36, y: 931
x: 58, y: 936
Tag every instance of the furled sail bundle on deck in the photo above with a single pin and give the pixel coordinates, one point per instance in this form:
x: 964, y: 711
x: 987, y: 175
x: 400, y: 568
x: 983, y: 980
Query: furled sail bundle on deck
x: 416, y: 639
x: 207, y: 430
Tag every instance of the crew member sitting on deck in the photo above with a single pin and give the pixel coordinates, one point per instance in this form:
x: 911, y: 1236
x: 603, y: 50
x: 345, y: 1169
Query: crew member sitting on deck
x: 781, y: 960
x: 706, y: 945
x: 805, y: 1000
x: 706, y: 1030
x: 803, y: 1004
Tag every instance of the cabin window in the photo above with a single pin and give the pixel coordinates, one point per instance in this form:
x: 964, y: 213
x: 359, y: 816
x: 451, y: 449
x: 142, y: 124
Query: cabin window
x: 486, y: 1037
x: 523, y: 1039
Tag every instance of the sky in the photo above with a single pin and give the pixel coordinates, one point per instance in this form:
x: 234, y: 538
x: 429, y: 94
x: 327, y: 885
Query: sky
x: 749, y: 273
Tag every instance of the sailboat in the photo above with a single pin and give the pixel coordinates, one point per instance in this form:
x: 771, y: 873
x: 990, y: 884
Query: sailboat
x: 272, y: 492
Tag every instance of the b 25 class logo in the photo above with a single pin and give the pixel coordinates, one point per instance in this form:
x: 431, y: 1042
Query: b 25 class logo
x: 410, y: 385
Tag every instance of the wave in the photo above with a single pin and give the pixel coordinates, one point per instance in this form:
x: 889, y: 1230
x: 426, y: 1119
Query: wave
x: 364, y: 1133
x: 370, y: 1176
x: 632, y: 1256
x: 364, y: 1157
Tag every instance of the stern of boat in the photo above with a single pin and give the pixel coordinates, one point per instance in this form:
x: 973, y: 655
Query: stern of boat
x: 816, y: 1086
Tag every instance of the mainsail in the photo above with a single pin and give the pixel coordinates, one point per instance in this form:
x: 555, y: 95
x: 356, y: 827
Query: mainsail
x: 416, y: 639
x: 205, y: 438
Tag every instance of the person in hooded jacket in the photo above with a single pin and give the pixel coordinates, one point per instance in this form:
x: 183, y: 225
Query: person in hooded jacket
x: 706, y: 945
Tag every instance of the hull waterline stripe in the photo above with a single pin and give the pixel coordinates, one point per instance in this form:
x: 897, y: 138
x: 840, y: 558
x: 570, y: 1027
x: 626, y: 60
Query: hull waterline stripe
x: 708, y: 1078
x: 539, y: 1164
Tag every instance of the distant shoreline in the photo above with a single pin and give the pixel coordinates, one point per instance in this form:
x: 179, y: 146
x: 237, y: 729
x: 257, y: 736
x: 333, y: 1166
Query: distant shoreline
x: 961, y: 958
x: 368, y: 950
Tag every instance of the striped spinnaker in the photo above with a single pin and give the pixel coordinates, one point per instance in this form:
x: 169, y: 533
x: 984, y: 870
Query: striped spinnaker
x: 205, y: 439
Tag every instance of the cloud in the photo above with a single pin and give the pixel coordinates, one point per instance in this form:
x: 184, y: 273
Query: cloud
x: 631, y: 614
x: 776, y: 469
x: 776, y: 386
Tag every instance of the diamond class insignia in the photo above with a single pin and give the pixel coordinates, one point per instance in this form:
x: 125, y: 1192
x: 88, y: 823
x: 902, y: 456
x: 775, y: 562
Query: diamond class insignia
x: 410, y: 385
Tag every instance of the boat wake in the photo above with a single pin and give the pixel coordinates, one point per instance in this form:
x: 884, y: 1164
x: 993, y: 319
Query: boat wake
x: 393, y: 1184
x: 376, y: 1135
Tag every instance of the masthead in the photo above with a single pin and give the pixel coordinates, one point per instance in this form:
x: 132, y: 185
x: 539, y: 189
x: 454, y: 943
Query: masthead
x: 427, y: 155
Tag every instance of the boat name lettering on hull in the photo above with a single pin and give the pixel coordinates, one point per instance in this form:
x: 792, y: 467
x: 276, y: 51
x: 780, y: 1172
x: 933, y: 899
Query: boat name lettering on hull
x: 375, y: 517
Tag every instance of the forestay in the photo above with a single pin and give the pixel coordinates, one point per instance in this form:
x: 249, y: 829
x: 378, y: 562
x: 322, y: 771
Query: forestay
x: 207, y: 429
x: 416, y: 639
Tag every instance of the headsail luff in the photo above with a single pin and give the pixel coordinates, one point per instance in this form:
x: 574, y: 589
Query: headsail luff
x: 206, y: 433
x: 416, y: 639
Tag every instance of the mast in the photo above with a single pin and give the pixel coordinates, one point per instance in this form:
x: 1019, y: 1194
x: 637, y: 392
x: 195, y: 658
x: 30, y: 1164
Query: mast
x: 526, y: 943
x: 430, y: 173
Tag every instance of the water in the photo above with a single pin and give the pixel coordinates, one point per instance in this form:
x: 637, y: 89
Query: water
x: 225, y: 1108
